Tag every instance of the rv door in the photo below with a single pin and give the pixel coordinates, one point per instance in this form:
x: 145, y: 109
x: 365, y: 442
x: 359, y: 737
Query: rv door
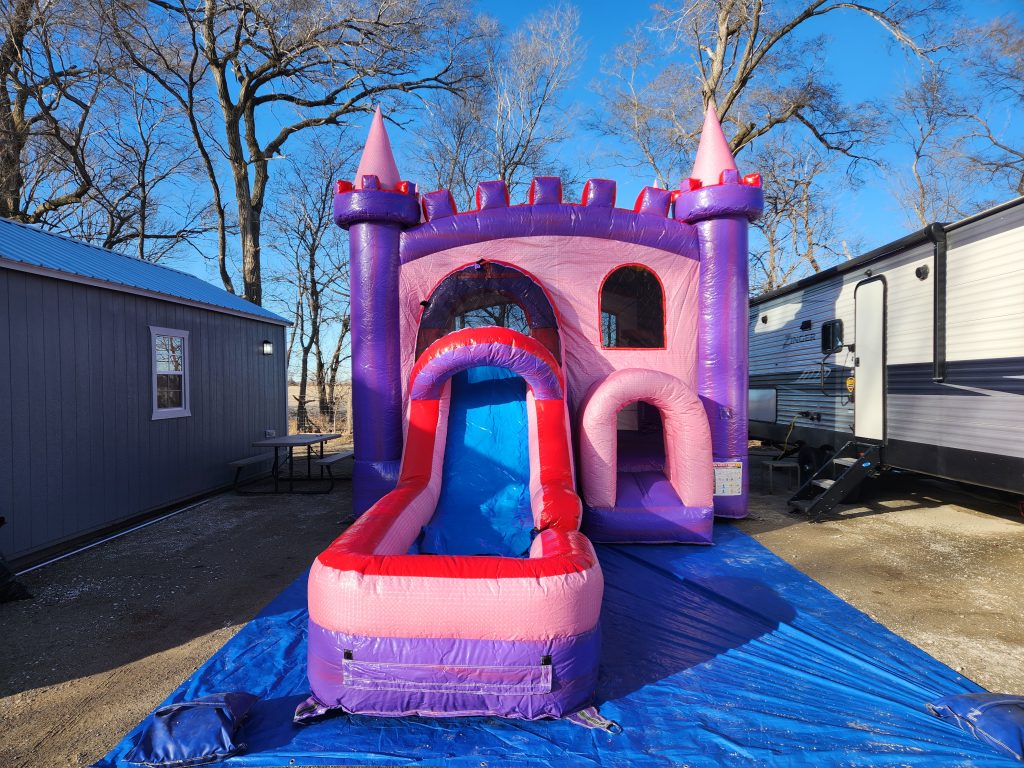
x: 869, y: 362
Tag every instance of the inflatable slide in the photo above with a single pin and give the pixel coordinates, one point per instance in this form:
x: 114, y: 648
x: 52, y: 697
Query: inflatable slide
x: 399, y: 623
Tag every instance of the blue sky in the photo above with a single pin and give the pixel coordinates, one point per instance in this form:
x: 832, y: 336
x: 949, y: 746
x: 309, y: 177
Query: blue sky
x: 861, y: 61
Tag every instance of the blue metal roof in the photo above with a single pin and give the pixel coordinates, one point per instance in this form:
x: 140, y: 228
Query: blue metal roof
x: 46, y: 250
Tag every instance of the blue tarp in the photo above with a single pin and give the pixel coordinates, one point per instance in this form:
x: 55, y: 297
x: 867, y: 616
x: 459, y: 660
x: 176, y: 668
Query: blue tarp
x: 484, y: 506
x: 722, y: 655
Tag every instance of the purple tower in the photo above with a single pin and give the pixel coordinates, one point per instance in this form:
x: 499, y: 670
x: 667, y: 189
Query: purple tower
x: 375, y: 211
x: 720, y: 205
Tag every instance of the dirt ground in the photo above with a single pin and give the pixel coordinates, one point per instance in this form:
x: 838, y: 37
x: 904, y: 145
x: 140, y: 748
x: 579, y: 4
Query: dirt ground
x: 112, y: 631
x: 938, y: 564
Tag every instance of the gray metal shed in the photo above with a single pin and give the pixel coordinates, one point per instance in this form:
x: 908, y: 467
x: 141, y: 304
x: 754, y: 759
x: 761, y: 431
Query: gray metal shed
x: 125, y: 388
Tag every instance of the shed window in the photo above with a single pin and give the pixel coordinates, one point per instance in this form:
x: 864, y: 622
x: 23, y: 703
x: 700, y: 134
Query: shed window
x: 632, y: 309
x: 170, y: 373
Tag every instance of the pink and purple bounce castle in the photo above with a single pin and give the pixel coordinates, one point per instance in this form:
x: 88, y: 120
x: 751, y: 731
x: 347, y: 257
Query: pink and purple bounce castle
x: 495, y: 352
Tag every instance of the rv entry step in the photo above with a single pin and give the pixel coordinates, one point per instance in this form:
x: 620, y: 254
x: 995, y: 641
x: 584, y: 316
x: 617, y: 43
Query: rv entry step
x: 836, y: 479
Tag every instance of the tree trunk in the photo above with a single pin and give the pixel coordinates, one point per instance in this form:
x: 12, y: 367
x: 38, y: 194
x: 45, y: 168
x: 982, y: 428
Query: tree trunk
x: 14, y: 129
x: 301, y: 415
x: 13, y: 137
x: 249, y: 230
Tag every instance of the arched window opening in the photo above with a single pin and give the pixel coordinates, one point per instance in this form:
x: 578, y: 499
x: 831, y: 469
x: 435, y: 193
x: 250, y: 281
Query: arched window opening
x: 489, y: 308
x: 632, y: 309
x: 489, y: 294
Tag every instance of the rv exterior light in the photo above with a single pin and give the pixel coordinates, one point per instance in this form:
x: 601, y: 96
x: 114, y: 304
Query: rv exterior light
x: 267, y: 347
x: 922, y: 272
x: 850, y: 384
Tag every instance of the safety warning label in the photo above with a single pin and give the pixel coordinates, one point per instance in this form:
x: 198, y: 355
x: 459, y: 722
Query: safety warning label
x: 728, y: 478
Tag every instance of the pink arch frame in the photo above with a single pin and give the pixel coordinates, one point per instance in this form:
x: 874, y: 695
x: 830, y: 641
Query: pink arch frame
x: 688, y: 462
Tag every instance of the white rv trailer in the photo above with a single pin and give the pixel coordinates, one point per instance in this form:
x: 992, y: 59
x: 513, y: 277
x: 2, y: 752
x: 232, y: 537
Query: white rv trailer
x: 916, y: 347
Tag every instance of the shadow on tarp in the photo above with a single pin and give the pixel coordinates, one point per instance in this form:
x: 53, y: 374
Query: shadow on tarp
x: 721, y: 655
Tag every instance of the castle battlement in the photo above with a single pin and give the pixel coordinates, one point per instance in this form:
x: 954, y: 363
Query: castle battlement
x: 714, y: 172
x: 547, y: 190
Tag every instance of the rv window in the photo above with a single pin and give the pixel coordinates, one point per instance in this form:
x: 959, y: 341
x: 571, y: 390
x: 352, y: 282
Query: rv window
x: 831, y: 337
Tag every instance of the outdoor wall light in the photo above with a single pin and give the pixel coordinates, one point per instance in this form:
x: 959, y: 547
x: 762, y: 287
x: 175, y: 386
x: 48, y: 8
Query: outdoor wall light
x: 268, y: 347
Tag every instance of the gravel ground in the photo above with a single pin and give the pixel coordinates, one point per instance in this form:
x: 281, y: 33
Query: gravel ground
x: 936, y: 563
x: 114, y: 630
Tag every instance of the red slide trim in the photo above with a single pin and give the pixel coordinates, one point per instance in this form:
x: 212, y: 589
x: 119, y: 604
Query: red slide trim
x: 561, y: 504
x: 564, y: 552
x: 489, y: 335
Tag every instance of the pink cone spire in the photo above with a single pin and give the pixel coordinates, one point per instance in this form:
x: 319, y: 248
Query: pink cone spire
x: 713, y: 153
x: 378, y: 159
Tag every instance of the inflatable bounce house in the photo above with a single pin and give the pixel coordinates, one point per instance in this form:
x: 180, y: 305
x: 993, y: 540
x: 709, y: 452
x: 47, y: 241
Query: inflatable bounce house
x: 526, y: 379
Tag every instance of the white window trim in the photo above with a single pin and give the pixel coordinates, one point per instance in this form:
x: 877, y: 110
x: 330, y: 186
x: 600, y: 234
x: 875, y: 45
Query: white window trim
x: 170, y: 413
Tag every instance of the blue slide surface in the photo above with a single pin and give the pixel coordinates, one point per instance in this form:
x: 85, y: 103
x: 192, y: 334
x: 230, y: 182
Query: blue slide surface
x: 484, y: 506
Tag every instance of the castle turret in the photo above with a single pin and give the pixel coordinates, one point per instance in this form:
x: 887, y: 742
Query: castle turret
x: 721, y: 205
x: 375, y: 210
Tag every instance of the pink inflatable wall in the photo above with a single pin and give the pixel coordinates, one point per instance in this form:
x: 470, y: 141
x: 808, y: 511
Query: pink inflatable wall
x: 572, y: 270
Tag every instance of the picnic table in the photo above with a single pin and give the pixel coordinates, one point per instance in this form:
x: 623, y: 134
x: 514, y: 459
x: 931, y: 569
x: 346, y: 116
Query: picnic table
x: 291, y: 442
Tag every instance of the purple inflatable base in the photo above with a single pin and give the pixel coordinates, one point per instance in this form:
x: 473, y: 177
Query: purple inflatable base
x: 735, y: 507
x: 371, y: 481
x: 648, y: 511
x: 732, y: 507
x: 447, y: 677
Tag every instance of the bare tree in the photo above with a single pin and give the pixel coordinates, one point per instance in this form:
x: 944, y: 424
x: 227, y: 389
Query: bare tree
x: 295, y: 66
x: 798, y: 228
x: 929, y: 120
x: 996, y: 62
x: 963, y: 134
x: 302, y: 228
x: 757, y: 62
x: 454, y: 144
x: 510, y: 125
x: 143, y: 199
x: 86, y: 150
x: 53, y: 70
x: 172, y: 56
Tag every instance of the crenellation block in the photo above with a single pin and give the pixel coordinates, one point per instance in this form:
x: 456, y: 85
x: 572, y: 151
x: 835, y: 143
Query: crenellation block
x: 653, y: 200
x: 492, y: 194
x: 369, y: 181
x: 438, y: 205
x: 599, y: 193
x: 546, y: 190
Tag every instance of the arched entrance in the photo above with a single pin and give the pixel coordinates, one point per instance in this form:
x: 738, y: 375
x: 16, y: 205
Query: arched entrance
x: 489, y: 293
x: 642, y: 503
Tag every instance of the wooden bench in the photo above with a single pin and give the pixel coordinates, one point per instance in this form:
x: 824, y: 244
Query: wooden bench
x: 241, y: 464
x: 329, y: 461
